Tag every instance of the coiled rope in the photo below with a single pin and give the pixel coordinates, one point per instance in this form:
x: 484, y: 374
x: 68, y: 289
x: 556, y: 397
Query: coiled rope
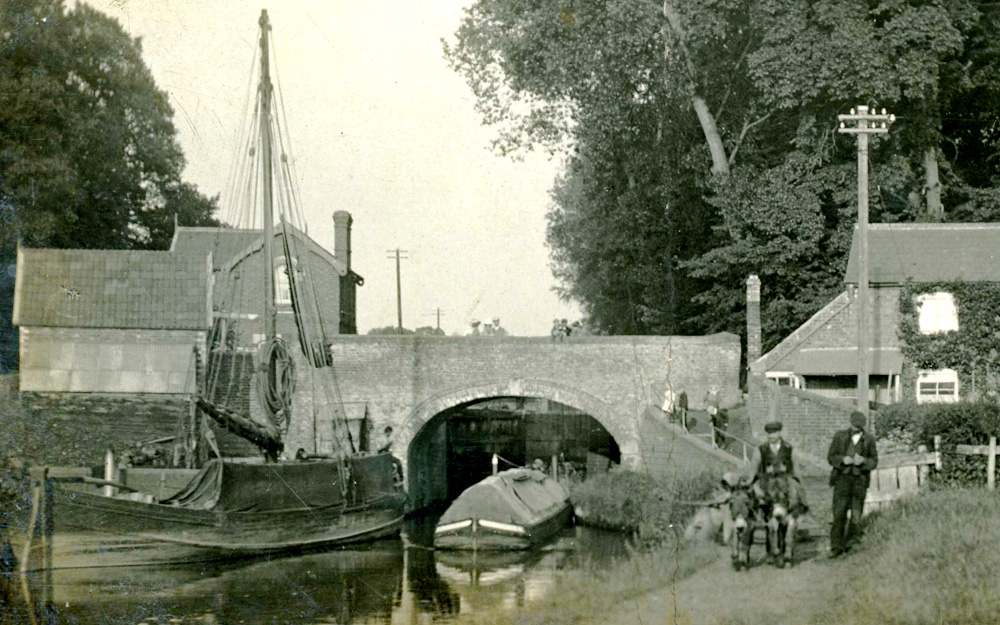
x: 276, y: 381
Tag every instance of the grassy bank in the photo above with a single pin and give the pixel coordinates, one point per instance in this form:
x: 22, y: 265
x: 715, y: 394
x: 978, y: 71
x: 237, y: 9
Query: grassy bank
x: 932, y: 559
x: 655, y: 512
x: 651, y: 509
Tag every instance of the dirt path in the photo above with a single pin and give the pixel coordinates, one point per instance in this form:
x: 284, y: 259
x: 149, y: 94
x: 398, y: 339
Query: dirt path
x: 764, y: 595
x: 718, y: 595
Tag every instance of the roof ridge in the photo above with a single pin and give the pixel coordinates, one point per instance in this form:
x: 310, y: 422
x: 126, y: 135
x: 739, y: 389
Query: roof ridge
x: 985, y: 225
x: 803, y: 332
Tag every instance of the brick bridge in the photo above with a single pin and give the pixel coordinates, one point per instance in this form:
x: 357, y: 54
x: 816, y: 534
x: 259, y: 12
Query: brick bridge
x: 408, y: 381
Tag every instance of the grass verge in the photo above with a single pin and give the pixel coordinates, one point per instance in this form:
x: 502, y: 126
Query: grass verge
x: 931, y: 559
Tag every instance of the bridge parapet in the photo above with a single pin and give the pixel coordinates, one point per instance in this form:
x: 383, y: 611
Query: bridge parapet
x: 406, y: 381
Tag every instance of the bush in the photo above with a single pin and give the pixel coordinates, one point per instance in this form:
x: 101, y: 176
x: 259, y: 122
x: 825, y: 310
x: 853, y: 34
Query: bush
x: 956, y: 424
x: 654, y: 509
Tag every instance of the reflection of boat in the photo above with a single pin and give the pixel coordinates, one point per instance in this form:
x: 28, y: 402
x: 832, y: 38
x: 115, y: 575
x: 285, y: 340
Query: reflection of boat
x: 232, y: 508
x: 514, y: 509
x: 342, y: 586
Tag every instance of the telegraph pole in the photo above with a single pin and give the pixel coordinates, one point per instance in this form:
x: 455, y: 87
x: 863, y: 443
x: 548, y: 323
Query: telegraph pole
x: 438, y: 312
x: 867, y: 124
x: 399, y: 289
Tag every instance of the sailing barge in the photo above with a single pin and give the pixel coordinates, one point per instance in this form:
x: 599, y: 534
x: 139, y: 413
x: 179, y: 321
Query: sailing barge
x: 232, y: 508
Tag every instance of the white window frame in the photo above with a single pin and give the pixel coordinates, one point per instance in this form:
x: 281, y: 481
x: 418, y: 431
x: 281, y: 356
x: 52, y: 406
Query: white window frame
x: 282, y: 285
x: 789, y: 378
x: 937, y: 313
x: 939, y: 386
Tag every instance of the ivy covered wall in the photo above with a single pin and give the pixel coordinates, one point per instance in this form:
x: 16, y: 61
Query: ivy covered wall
x: 973, y: 350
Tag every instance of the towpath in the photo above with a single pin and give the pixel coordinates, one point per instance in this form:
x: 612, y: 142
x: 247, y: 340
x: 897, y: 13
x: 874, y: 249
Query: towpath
x: 764, y: 595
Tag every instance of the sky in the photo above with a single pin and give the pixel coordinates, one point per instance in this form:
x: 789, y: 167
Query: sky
x: 380, y: 126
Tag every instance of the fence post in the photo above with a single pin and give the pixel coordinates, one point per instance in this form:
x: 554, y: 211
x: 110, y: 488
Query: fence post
x: 991, y: 464
x: 937, y: 452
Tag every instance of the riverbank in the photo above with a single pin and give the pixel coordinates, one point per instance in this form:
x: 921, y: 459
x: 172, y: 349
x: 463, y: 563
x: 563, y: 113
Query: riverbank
x: 932, y: 559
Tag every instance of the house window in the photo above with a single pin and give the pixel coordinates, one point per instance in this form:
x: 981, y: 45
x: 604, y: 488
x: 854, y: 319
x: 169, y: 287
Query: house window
x: 937, y: 387
x: 282, y: 288
x: 937, y: 313
x: 785, y: 378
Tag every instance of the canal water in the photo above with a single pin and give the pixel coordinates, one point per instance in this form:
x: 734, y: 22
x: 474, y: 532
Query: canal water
x: 387, y: 582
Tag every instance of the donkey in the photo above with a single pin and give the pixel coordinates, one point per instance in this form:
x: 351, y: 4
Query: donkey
x: 781, y: 503
x: 744, y: 510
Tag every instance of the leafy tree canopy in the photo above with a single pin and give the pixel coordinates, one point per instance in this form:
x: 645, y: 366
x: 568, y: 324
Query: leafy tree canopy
x: 701, y: 140
x: 88, y: 150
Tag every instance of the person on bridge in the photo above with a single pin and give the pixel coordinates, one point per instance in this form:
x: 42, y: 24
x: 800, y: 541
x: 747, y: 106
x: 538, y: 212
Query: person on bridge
x: 853, y: 456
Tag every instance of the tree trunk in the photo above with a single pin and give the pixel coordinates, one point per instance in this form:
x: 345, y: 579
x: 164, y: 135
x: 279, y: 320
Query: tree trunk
x: 932, y: 185
x: 720, y: 162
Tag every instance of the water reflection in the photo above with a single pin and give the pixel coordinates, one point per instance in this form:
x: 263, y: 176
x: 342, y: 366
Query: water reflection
x: 388, y: 582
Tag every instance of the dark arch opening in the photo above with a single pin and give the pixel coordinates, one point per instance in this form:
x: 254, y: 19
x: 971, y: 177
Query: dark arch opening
x: 454, y: 449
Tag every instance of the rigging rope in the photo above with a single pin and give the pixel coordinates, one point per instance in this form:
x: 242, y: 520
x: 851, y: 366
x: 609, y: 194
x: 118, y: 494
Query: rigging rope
x: 276, y: 382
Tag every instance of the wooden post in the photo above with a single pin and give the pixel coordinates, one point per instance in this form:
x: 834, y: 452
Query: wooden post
x: 48, y: 519
x: 36, y: 502
x: 991, y: 464
x: 48, y: 531
x: 555, y: 467
x: 496, y: 464
x: 937, y: 452
x: 109, y: 472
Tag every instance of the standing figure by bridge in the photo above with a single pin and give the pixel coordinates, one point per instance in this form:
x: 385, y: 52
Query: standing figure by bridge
x: 853, y: 457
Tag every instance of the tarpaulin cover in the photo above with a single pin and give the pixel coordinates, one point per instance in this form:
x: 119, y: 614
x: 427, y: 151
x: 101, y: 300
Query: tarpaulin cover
x: 520, y: 496
x: 238, y: 487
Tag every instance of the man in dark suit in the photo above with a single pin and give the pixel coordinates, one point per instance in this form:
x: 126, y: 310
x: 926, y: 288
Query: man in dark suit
x: 853, y: 457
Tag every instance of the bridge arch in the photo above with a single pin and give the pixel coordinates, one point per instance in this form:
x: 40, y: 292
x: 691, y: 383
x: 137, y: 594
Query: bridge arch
x: 621, y: 424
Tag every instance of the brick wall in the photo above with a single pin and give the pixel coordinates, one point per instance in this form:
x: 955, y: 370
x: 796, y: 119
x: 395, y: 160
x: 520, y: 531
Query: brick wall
x: 667, y: 452
x: 810, y: 420
x: 408, y: 380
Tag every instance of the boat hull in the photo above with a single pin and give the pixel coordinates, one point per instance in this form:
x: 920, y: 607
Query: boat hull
x: 487, y: 535
x: 95, y: 531
x: 229, y: 510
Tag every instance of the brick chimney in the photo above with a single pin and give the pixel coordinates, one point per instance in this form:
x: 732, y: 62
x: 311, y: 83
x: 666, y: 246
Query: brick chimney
x: 753, y: 319
x: 342, y: 221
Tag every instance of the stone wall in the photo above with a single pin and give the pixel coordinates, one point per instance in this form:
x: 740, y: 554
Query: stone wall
x: 406, y: 381
x: 76, y: 429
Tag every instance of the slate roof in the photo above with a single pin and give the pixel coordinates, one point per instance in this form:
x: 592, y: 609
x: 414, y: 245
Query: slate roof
x: 228, y: 244
x: 111, y: 289
x: 929, y: 253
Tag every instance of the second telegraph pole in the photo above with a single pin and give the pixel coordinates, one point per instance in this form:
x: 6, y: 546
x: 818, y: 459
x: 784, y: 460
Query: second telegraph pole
x: 867, y: 123
x: 399, y: 289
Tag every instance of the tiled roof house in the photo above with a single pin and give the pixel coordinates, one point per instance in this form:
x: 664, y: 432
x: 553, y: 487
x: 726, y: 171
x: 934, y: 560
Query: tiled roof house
x: 108, y: 338
x: 107, y: 321
x: 821, y: 355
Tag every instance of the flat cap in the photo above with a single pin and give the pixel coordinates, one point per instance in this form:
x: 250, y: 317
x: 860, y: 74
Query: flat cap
x: 773, y: 426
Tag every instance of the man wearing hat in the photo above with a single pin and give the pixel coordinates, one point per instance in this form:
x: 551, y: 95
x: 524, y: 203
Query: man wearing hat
x: 853, y: 457
x: 773, y: 457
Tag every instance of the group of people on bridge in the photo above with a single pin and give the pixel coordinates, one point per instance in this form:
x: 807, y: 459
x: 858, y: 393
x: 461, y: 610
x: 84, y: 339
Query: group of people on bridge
x: 770, y: 495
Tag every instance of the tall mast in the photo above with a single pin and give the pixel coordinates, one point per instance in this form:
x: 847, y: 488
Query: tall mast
x: 271, y: 312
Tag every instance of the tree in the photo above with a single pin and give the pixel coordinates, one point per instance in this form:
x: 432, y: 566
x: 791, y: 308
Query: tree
x: 389, y: 330
x: 701, y: 139
x: 88, y: 148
